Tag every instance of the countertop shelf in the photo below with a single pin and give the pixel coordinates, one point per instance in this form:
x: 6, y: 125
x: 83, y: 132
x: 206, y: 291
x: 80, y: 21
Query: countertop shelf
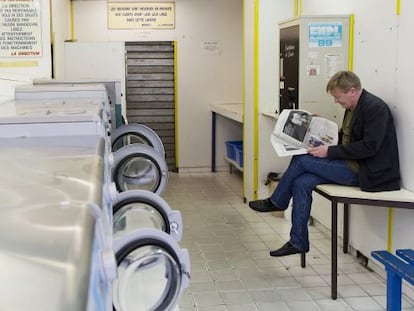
x: 233, y: 111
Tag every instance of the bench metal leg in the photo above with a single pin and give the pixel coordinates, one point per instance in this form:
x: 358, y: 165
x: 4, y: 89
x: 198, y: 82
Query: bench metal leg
x: 303, y: 260
x: 213, y: 141
x: 393, y: 292
x: 346, y: 229
x: 334, y: 251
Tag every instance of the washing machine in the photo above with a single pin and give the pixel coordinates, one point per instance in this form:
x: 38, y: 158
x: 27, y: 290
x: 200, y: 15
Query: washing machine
x: 41, y: 119
x: 113, y: 87
x: 85, y: 117
x: 120, y: 135
x: 133, y: 167
x: 51, y: 255
x: 152, y: 272
x: 144, y: 209
x: 55, y: 236
x: 151, y: 269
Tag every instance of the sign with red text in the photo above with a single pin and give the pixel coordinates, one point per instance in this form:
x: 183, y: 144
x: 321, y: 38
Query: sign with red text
x: 20, y: 28
x: 151, y: 15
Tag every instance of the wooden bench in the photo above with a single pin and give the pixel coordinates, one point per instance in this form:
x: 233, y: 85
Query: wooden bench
x: 353, y: 195
x: 398, y: 268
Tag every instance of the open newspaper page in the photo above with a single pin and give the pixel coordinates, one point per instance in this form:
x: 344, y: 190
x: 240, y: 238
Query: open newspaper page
x: 297, y: 130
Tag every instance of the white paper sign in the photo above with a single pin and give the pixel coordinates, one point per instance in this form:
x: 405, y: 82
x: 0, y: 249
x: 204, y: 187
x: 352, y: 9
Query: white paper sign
x: 20, y: 28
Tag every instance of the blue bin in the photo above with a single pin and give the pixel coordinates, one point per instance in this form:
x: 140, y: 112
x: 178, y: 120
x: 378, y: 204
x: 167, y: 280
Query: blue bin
x: 235, y: 151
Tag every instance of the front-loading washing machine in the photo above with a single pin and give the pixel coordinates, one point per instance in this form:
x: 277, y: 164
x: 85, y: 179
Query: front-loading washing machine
x: 55, y: 235
x: 85, y: 117
x: 121, y: 135
x: 152, y: 272
x: 144, y: 209
x: 64, y: 170
x: 113, y: 87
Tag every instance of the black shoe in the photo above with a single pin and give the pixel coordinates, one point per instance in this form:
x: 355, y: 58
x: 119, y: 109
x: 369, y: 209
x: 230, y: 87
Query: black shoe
x: 287, y: 249
x: 263, y: 206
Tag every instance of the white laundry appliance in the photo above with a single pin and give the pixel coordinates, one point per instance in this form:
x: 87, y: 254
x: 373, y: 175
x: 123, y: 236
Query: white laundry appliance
x: 55, y: 239
x: 38, y: 118
x: 144, y: 209
x: 143, y: 168
x: 121, y: 135
x: 113, y: 88
x: 65, y: 172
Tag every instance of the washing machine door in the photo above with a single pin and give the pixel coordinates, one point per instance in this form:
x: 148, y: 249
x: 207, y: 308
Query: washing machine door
x: 140, y: 209
x: 136, y: 134
x: 139, y: 167
x: 152, y: 271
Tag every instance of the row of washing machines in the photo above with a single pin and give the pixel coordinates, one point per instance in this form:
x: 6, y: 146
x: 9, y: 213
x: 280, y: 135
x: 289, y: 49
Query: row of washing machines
x: 82, y: 222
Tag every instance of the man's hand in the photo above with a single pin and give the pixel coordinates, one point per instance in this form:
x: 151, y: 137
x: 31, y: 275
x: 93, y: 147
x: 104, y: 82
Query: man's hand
x: 319, y: 152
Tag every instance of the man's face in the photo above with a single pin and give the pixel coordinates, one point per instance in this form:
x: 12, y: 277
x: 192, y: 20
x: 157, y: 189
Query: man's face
x: 347, y: 100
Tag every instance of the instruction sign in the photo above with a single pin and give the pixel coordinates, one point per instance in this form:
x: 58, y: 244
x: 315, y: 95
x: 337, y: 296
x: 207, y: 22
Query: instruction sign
x: 20, y: 28
x: 131, y: 15
x: 325, y: 34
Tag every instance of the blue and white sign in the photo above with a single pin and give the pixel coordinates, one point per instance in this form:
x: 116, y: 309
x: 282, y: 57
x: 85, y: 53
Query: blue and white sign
x: 325, y: 34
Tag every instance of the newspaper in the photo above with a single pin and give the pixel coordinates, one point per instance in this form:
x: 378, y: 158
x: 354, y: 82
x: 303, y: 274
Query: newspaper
x: 298, y: 130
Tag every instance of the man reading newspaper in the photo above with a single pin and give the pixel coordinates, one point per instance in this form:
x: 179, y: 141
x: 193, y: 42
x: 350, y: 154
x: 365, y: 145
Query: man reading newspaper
x: 297, y: 130
x: 366, y: 155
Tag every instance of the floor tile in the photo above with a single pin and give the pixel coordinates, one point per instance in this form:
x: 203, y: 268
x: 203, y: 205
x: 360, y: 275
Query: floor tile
x: 231, y: 269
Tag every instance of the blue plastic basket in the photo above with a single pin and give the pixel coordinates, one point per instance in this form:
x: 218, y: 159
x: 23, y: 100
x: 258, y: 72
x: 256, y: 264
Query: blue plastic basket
x: 235, y: 151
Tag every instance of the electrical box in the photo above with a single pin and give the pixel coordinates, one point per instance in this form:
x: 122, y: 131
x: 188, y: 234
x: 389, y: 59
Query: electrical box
x: 312, y: 49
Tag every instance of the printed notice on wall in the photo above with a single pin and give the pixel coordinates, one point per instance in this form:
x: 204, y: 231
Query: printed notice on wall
x: 131, y: 15
x: 20, y: 28
x: 211, y: 47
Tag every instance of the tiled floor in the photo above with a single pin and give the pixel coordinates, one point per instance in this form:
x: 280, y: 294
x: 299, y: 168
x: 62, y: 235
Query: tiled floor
x: 231, y: 269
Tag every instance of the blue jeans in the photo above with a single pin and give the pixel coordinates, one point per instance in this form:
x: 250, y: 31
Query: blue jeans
x: 303, y: 174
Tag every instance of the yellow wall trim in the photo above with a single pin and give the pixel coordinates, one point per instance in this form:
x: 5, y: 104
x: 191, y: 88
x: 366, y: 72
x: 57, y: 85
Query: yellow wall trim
x: 390, y: 222
x: 256, y: 100
x: 351, y: 42
x: 19, y: 64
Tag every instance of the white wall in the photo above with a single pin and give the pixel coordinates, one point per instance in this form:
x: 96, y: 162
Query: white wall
x: 383, y: 59
x: 203, y: 78
x: 271, y: 13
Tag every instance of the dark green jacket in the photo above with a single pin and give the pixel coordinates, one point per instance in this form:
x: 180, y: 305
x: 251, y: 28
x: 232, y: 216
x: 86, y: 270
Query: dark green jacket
x: 373, y: 144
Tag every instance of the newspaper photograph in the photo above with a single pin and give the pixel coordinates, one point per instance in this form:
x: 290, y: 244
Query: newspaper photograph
x: 298, y: 130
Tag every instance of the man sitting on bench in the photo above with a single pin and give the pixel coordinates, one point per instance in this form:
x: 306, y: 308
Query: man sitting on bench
x: 367, y: 156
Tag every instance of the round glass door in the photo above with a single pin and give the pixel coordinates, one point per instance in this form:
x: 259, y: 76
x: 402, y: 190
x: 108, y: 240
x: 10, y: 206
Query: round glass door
x: 152, y: 272
x: 136, y: 134
x: 139, y: 167
x: 139, y: 209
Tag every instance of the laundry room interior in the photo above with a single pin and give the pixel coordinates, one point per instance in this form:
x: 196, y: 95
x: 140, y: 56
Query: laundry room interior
x: 169, y: 109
